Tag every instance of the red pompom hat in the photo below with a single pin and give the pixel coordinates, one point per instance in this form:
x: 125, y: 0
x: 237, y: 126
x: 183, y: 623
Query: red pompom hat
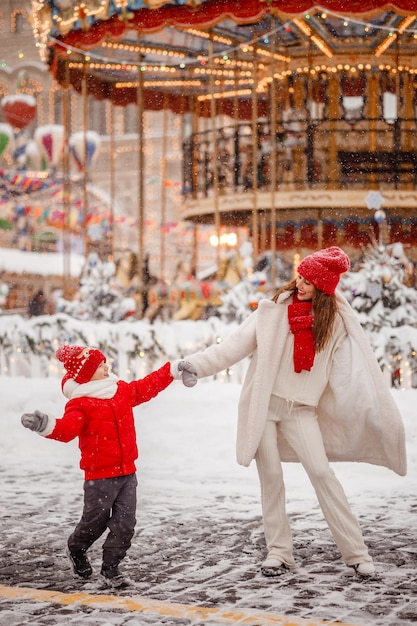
x: 80, y: 362
x: 324, y: 268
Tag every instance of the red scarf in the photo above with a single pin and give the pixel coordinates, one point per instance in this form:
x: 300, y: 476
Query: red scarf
x: 301, y: 325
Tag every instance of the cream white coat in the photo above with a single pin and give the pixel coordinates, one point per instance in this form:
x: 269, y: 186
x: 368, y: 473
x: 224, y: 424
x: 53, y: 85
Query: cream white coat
x: 358, y: 417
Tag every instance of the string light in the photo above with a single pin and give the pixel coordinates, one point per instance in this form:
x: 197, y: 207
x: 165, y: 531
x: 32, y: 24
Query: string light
x: 322, y: 46
x: 159, y: 83
x: 267, y: 53
x: 143, y: 49
x: 388, y: 41
x: 230, y: 94
x: 235, y: 63
x: 60, y: 44
x: 42, y: 26
x: 205, y: 35
x: 14, y: 17
x: 303, y: 27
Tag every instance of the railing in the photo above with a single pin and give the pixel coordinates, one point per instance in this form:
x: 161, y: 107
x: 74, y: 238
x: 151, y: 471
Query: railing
x: 133, y: 349
x: 332, y: 154
x: 395, y: 166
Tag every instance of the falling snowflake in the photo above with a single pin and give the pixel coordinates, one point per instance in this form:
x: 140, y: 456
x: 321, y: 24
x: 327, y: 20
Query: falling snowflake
x: 374, y: 200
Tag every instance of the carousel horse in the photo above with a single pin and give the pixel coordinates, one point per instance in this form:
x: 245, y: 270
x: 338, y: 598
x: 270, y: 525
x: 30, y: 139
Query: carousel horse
x: 190, y: 299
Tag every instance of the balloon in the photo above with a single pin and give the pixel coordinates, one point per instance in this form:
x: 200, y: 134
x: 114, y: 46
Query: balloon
x: 84, y: 147
x: 18, y: 110
x: 34, y: 157
x: 50, y: 139
x: 6, y: 139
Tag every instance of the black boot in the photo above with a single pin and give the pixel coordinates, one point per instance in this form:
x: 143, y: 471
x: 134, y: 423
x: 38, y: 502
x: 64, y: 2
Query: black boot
x: 79, y: 562
x: 112, y: 576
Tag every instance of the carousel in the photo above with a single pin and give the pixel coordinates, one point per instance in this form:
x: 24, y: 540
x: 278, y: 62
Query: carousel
x: 300, y: 119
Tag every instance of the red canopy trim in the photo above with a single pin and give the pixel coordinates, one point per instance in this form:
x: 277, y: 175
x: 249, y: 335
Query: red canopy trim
x: 205, y: 15
x: 211, y: 12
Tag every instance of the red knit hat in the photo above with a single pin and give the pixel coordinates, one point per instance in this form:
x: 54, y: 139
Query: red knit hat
x: 323, y: 269
x: 80, y: 362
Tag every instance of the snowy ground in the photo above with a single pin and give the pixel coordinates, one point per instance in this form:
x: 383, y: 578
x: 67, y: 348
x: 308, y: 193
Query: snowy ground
x: 199, y: 536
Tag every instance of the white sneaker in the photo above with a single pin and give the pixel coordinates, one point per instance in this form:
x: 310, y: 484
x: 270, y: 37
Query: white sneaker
x: 272, y: 566
x: 365, y: 569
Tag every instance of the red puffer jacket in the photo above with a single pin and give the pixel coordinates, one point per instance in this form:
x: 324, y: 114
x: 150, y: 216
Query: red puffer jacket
x: 106, y: 428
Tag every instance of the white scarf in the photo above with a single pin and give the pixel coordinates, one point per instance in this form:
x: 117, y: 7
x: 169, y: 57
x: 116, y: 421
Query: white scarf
x: 101, y: 389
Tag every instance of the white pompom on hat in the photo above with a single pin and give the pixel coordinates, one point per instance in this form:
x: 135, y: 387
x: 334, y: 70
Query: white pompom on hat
x: 324, y: 268
x: 80, y: 362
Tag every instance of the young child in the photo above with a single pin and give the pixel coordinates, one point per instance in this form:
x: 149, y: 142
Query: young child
x: 99, y: 412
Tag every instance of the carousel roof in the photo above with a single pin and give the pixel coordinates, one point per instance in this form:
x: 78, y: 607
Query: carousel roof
x: 190, y: 48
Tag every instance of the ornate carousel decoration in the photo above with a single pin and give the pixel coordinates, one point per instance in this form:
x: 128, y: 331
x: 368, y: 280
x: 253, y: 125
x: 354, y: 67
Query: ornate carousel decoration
x: 297, y: 111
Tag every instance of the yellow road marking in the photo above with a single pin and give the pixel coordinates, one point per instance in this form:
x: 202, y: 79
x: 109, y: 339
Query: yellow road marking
x: 157, y: 607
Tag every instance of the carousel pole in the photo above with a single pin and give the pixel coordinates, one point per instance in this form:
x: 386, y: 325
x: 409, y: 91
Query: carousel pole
x: 236, y: 119
x: 196, y: 119
x: 273, y: 166
x: 112, y: 180
x: 186, y: 107
x: 407, y: 95
x: 373, y: 91
x: 215, y: 155
x: 84, y: 95
x: 237, y: 167
x: 163, y: 179
x: 141, y: 166
x: 66, y: 186
x: 196, y: 127
x: 334, y: 99
x: 310, y: 143
x: 255, y: 220
x: 398, y: 121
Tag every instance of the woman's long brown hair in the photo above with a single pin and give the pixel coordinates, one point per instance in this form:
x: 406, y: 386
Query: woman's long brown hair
x: 324, y: 313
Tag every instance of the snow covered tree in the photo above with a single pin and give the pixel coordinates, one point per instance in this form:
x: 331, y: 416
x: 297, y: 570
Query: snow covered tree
x: 387, y: 309
x: 377, y: 290
x: 98, y: 298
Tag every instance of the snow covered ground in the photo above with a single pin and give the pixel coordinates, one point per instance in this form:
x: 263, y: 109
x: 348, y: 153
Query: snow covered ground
x: 199, y: 539
x: 19, y: 261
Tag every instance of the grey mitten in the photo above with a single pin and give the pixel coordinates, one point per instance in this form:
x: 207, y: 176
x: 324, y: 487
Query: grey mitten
x: 189, y: 373
x: 35, y: 421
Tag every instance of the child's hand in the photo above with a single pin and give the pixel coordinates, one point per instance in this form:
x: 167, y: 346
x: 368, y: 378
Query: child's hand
x: 189, y: 373
x: 35, y: 421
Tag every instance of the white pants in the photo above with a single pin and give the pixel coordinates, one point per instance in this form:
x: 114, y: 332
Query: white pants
x: 298, y: 424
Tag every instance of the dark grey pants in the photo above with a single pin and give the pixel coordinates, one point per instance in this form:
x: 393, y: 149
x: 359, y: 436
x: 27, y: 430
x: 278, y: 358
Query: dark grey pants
x: 108, y: 503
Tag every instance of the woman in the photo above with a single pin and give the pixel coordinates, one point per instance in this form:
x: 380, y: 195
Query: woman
x: 313, y: 392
